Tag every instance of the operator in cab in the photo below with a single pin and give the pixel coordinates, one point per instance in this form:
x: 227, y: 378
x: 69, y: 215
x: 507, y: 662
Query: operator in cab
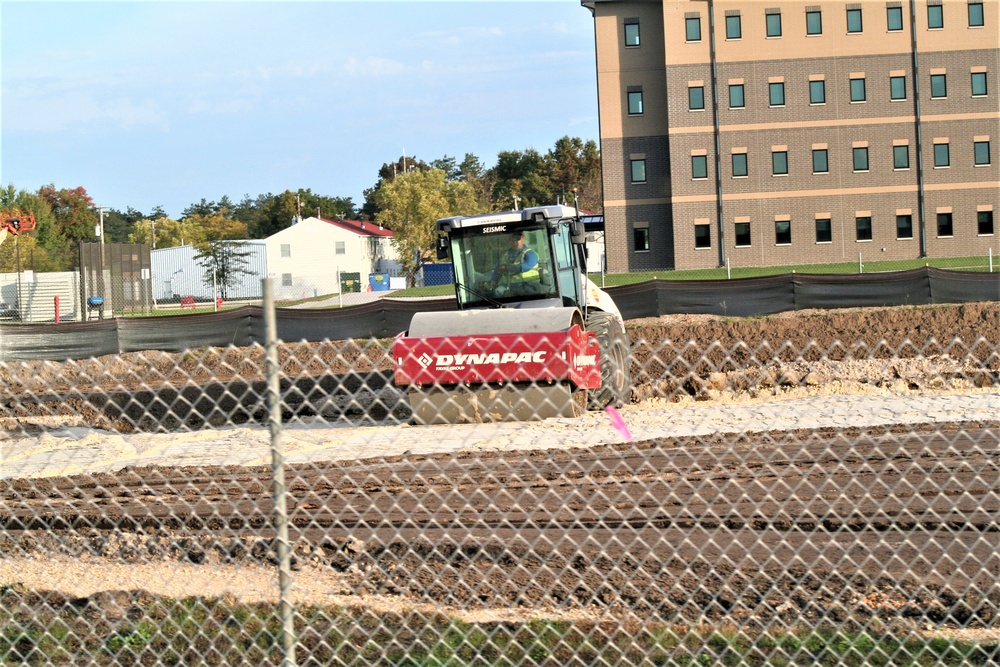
x: 518, y: 269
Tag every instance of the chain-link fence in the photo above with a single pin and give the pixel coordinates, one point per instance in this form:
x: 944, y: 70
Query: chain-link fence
x: 811, y: 496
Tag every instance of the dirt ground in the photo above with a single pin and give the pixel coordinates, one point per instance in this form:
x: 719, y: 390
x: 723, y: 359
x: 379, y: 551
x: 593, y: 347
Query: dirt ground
x: 894, y: 525
x: 676, y: 357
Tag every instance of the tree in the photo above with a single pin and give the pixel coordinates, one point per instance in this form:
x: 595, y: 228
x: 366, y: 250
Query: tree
x: 74, y: 220
x: 573, y: 163
x: 411, y: 203
x: 162, y: 233
x: 225, y: 262
x: 386, y: 173
x: 518, y: 180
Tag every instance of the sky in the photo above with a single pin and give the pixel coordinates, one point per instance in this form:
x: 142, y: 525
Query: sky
x: 147, y: 104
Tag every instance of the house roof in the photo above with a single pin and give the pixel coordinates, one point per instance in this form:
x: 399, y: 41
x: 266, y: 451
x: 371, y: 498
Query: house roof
x: 360, y: 227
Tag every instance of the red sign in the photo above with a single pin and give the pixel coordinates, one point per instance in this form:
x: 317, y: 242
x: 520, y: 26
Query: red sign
x: 572, y: 355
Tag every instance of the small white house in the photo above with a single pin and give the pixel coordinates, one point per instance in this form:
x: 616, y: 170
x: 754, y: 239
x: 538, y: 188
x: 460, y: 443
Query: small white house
x: 317, y: 256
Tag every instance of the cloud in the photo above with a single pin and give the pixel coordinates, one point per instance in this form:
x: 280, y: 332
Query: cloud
x: 78, y: 111
x: 373, y: 66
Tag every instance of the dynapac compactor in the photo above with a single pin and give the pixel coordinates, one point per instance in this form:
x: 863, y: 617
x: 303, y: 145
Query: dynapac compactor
x: 533, y: 336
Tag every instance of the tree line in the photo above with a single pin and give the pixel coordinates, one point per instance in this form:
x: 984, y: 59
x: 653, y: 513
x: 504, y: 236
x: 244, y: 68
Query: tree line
x: 408, y: 196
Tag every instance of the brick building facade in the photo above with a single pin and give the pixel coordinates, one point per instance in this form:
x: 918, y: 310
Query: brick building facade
x: 844, y: 129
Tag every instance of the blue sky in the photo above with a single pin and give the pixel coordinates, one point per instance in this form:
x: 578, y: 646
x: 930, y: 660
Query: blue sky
x: 150, y: 104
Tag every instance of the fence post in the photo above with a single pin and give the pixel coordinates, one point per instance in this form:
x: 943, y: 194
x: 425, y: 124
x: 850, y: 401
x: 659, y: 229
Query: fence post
x: 278, y: 476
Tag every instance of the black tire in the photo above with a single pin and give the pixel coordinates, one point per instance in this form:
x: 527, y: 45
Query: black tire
x: 616, y: 372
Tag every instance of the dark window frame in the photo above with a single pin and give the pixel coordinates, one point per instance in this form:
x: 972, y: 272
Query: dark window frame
x: 976, y: 152
x: 825, y: 152
x: 855, y: 89
x: 863, y: 228
x: 697, y: 160
x: 772, y: 21
x: 740, y: 160
x: 633, y: 163
x: 904, y: 151
x: 688, y: 23
x: 939, y: 86
x: 977, y: 18
x: 634, y: 95
x: 893, y: 19
x: 814, y: 22
x: 734, y: 27
x: 945, y: 225
x: 859, y: 159
x: 942, y: 155
x: 893, y: 81
x: 637, y: 42
x: 640, y: 239
x: 743, y: 96
x: 779, y: 163
x: 855, y: 21
x: 904, y: 226
x: 742, y: 236
x: 817, y: 85
x: 702, y: 240
x: 782, y: 232
x: 824, y: 230
x: 978, y: 76
x: 984, y: 223
x: 691, y: 100
x: 935, y: 17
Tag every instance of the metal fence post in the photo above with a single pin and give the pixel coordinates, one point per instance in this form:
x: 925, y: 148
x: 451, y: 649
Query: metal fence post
x: 278, y: 475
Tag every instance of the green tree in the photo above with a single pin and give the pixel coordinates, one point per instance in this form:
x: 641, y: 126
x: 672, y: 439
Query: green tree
x: 73, y: 220
x: 160, y: 233
x: 518, y: 180
x: 386, y: 173
x: 411, y: 203
x: 573, y: 163
x: 225, y: 262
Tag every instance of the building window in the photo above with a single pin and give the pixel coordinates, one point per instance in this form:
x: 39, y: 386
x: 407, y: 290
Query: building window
x: 944, y: 225
x: 824, y: 230
x: 699, y: 166
x: 640, y: 235
x: 978, y: 84
x: 286, y: 280
x: 638, y: 171
x: 635, y: 103
x: 696, y: 98
x: 894, y: 18
x: 286, y: 249
x: 692, y: 29
x: 942, y: 155
x: 817, y: 92
x: 776, y: 94
x: 861, y: 158
x: 939, y: 86
x: 702, y: 236
x: 631, y: 32
x: 858, y: 90
x: 779, y: 163
x: 734, y: 29
x: 897, y: 88
x: 821, y: 161
x: 782, y: 232
x: 736, y: 98
x: 985, y: 220
x: 981, y: 151
x: 904, y: 226
x: 340, y: 248
x: 814, y: 22
x: 742, y: 234
x: 863, y: 227
x: 976, y: 19
x: 739, y: 165
x: 935, y: 17
x: 773, y: 24
x: 854, y: 23
x: 901, y: 157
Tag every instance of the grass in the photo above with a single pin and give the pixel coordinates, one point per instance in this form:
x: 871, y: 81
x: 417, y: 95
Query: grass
x: 214, y: 632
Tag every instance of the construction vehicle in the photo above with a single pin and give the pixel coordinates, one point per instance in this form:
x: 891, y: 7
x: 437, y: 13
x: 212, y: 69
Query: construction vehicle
x: 15, y: 222
x: 523, y: 345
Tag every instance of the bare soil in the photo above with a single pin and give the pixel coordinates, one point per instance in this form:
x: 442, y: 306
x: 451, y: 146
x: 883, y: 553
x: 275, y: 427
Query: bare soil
x: 894, y: 525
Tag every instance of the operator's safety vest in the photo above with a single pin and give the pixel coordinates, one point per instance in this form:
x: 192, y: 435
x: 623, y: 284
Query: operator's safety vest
x: 531, y: 274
